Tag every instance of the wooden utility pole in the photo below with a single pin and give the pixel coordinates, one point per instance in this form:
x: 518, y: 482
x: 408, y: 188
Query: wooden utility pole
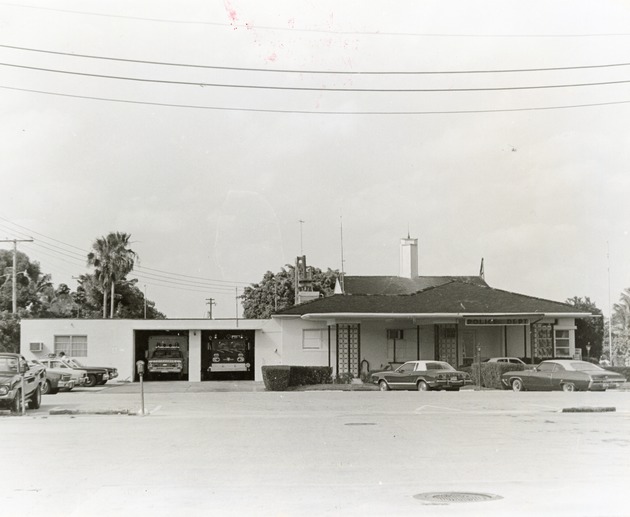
x: 15, y: 241
x: 210, y: 302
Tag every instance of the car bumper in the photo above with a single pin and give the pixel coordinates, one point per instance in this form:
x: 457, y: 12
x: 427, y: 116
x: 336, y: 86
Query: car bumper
x: 7, y: 400
x: 440, y: 384
x: 233, y: 367
x: 165, y: 370
x: 63, y: 385
x: 601, y: 386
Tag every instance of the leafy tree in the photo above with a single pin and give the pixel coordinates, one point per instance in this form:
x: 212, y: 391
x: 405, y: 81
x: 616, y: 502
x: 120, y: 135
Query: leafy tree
x: 129, y: 300
x: 589, y: 331
x: 621, y: 329
x: 112, y: 261
x: 276, y: 291
x: 31, y: 283
x: 9, y: 332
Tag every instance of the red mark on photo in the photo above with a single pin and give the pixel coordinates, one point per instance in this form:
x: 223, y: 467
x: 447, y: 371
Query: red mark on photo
x: 230, y: 10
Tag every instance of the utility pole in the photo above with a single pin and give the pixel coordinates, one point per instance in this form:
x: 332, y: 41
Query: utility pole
x: 236, y: 304
x: 145, y: 306
x: 210, y: 302
x: 15, y: 241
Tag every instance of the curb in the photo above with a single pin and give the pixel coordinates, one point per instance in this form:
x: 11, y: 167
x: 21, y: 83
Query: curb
x: 589, y: 409
x: 60, y: 411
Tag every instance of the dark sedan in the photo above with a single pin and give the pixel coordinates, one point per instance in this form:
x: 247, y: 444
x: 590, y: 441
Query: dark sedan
x: 422, y: 376
x: 563, y: 374
x: 15, y: 375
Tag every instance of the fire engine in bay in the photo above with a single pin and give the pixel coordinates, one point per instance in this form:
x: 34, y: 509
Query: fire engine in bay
x: 165, y: 357
x: 230, y: 354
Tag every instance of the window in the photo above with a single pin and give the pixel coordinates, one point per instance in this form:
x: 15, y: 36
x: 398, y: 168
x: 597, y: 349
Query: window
x: 313, y: 339
x: 407, y: 367
x: 563, y: 343
x: 74, y: 346
x: 546, y: 367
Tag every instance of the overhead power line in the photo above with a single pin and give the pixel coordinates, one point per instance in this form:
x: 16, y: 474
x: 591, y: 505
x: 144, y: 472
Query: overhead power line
x: 247, y: 26
x: 313, y: 112
x: 327, y: 72
x: 81, y: 259
x: 314, y: 88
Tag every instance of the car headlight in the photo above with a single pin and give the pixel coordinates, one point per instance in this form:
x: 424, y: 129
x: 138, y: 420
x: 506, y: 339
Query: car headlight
x: 4, y: 390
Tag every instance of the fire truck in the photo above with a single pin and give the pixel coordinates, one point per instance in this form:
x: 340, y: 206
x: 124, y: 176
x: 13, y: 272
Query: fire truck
x: 166, y: 356
x: 231, y: 353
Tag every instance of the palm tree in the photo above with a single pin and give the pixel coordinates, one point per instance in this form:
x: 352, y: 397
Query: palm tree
x: 113, y: 261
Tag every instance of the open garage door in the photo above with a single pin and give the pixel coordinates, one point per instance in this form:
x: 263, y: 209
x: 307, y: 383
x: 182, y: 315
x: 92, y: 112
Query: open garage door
x: 227, y: 355
x: 164, y: 352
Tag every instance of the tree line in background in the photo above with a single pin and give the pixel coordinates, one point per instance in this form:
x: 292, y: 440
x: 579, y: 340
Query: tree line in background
x: 276, y: 291
x: 104, y: 291
x: 107, y: 291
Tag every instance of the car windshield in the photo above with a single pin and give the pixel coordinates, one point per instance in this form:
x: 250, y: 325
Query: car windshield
x: 230, y: 346
x: 167, y: 352
x: 439, y: 366
x: 73, y: 362
x: 8, y: 364
x: 583, y: 366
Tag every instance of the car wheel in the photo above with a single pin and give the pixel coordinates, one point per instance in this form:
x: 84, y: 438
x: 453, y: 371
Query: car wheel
x: 383, y: 386
x: 568, y: 386
x: 16, y: 405
x: 517, y: 385
x: 423, y: 386
x: 36, y: 399
x: 91, y: 381
x: 46, y: 388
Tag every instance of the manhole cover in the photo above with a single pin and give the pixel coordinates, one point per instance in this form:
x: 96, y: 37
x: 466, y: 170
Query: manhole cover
x: 456, y: 497
x: 360, y: 423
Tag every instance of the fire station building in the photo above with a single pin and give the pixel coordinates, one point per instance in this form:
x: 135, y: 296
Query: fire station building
x: 369, y: 322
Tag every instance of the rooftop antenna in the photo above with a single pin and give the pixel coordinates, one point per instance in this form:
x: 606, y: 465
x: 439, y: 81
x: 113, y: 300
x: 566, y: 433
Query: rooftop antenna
x: 342, y: 259
x: 301, y: 246
x: 610, y: 343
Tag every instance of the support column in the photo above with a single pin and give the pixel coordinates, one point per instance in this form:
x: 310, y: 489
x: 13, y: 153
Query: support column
x: 194, y: 355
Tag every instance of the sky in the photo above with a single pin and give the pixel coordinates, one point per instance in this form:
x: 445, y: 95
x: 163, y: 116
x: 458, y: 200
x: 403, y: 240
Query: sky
x: 221, y: 125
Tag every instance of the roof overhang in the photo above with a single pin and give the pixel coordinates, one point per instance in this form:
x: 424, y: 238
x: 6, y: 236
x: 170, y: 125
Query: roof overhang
x: 439, y: 315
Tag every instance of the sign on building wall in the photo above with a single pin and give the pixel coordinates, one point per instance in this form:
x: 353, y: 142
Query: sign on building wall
x: 490, y: 322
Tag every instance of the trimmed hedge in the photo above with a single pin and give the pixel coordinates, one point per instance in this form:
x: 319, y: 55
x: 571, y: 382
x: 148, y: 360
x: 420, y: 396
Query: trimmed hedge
x: 623, y: 370
x: 305, y: 375
x: 276, y: 378
x: 280, y: 377
x: 491, y: 373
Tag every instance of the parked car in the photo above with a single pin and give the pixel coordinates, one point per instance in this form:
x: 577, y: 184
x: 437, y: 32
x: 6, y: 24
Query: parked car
x: 422, y: 376
x: 511, y: 360
x: 97, y: 375
x: 563, y: 374
x: 60, y: 376
x: 12, y: 366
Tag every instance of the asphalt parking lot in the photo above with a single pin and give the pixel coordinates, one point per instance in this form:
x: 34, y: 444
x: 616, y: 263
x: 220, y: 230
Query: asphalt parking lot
x: 250, y: 452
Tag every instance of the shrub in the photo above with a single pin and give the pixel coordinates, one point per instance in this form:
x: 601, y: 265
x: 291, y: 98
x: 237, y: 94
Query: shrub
x: 491, y: 373
x: 276, y: 377
x: 305, y: 375
x: 344, y: 378
x: 623, y: 370
x: 280, y: 377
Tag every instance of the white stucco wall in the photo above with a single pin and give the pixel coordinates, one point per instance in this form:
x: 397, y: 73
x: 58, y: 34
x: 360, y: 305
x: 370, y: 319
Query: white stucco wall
x: 111, y: 342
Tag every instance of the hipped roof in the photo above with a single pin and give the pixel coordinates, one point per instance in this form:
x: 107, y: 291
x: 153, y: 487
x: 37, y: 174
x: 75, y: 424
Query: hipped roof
x: 401, y: 285
x: 454, y: 297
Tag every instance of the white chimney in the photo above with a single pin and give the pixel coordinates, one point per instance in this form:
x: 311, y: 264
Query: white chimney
x: 408, y: 257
